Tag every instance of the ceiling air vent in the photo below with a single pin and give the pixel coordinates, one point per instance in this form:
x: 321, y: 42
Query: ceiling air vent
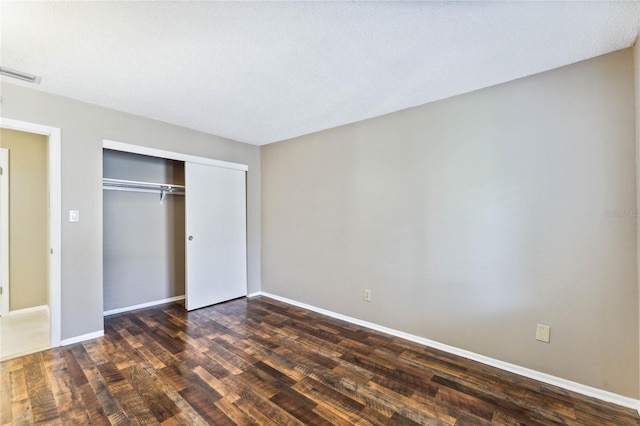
x: 8, y: 72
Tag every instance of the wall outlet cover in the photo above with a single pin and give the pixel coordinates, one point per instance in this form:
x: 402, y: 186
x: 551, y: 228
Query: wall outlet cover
x: 543, y: 333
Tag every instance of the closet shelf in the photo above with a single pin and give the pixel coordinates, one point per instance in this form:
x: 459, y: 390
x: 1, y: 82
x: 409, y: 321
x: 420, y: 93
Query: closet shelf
x: 136, y: 186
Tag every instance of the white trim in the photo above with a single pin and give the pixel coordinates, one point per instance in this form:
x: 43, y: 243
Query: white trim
x: 143, y: 305
x: 533, y: 374
x: 138, y: 149
x: 636, y: 69
x: 4, y: 231
x: 257, y: 293
x: 82, y: 338
x: 29, y: 310
x: 55, y: 216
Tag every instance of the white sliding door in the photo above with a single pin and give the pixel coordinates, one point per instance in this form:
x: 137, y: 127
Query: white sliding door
x: 216, y: 246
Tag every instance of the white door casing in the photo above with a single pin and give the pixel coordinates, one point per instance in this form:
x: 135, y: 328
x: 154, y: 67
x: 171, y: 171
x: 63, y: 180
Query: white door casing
x: 4, y: 231
x: 54, y: 154
x: 216, y: 246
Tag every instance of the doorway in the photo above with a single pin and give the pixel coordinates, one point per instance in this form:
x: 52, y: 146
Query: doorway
x: 35, y: 253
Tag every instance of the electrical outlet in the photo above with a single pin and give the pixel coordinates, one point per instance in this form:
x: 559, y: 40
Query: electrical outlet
x: 367, y: 295
x: 543, y: 333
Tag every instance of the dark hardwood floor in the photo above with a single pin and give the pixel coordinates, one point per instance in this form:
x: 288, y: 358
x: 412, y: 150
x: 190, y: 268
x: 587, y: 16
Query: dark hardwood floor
x: 259, y: 361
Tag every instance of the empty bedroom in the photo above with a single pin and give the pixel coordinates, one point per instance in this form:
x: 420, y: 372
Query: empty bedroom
x: 373, y: 213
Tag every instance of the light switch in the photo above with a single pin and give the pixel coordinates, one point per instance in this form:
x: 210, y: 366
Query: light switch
x: 74, y: 215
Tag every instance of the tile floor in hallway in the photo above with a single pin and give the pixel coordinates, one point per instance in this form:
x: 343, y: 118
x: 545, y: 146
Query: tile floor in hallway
x: 24, y: 333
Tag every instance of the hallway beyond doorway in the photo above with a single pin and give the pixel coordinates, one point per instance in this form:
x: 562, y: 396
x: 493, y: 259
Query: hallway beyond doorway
x: 24, y: 333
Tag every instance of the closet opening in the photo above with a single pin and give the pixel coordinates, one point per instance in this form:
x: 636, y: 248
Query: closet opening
x: 143, y: 231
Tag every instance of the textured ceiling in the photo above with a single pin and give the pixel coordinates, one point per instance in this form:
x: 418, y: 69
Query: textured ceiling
x: 268, y: 71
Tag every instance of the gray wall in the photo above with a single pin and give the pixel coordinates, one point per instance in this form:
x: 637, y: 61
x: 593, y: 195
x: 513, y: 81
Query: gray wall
x: 474, y: 218
x: 83, y: 128
x: 144, y: 253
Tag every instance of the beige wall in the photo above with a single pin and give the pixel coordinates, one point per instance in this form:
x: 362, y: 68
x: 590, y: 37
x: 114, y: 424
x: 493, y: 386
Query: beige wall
x: 474, y: 218
x: 28, y: 218
x: 83, y: 128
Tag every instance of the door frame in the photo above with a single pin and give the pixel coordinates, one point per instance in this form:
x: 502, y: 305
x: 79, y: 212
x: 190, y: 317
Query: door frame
x: 4, y: 231
x: 169, y: 155
x: 54, y: 157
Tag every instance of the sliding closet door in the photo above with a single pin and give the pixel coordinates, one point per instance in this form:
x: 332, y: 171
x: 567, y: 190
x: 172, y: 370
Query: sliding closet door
x: 216, y: 246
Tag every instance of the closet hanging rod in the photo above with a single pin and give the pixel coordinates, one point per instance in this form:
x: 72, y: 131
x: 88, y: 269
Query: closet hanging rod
x: 133, y: 185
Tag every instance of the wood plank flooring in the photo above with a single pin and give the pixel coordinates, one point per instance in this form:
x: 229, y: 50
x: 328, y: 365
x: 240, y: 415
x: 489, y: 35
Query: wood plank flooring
x: 259, y: 361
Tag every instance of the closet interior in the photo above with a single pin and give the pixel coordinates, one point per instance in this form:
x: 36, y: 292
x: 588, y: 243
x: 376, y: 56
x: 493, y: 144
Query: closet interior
x: 143, y: 230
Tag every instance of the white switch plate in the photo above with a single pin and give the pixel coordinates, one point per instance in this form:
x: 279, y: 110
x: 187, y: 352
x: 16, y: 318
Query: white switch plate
x: 367, y: 295
x: 74, y: 215
x: 543, y: 333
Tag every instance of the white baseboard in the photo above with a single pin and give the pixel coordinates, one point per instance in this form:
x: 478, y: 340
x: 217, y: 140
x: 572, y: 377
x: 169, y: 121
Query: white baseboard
x: 143, y: 305
x: 522, y: 371
x: 100, y: 333
x: 29, y: 310
x: 82, y: 338
x: 257, y: 293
